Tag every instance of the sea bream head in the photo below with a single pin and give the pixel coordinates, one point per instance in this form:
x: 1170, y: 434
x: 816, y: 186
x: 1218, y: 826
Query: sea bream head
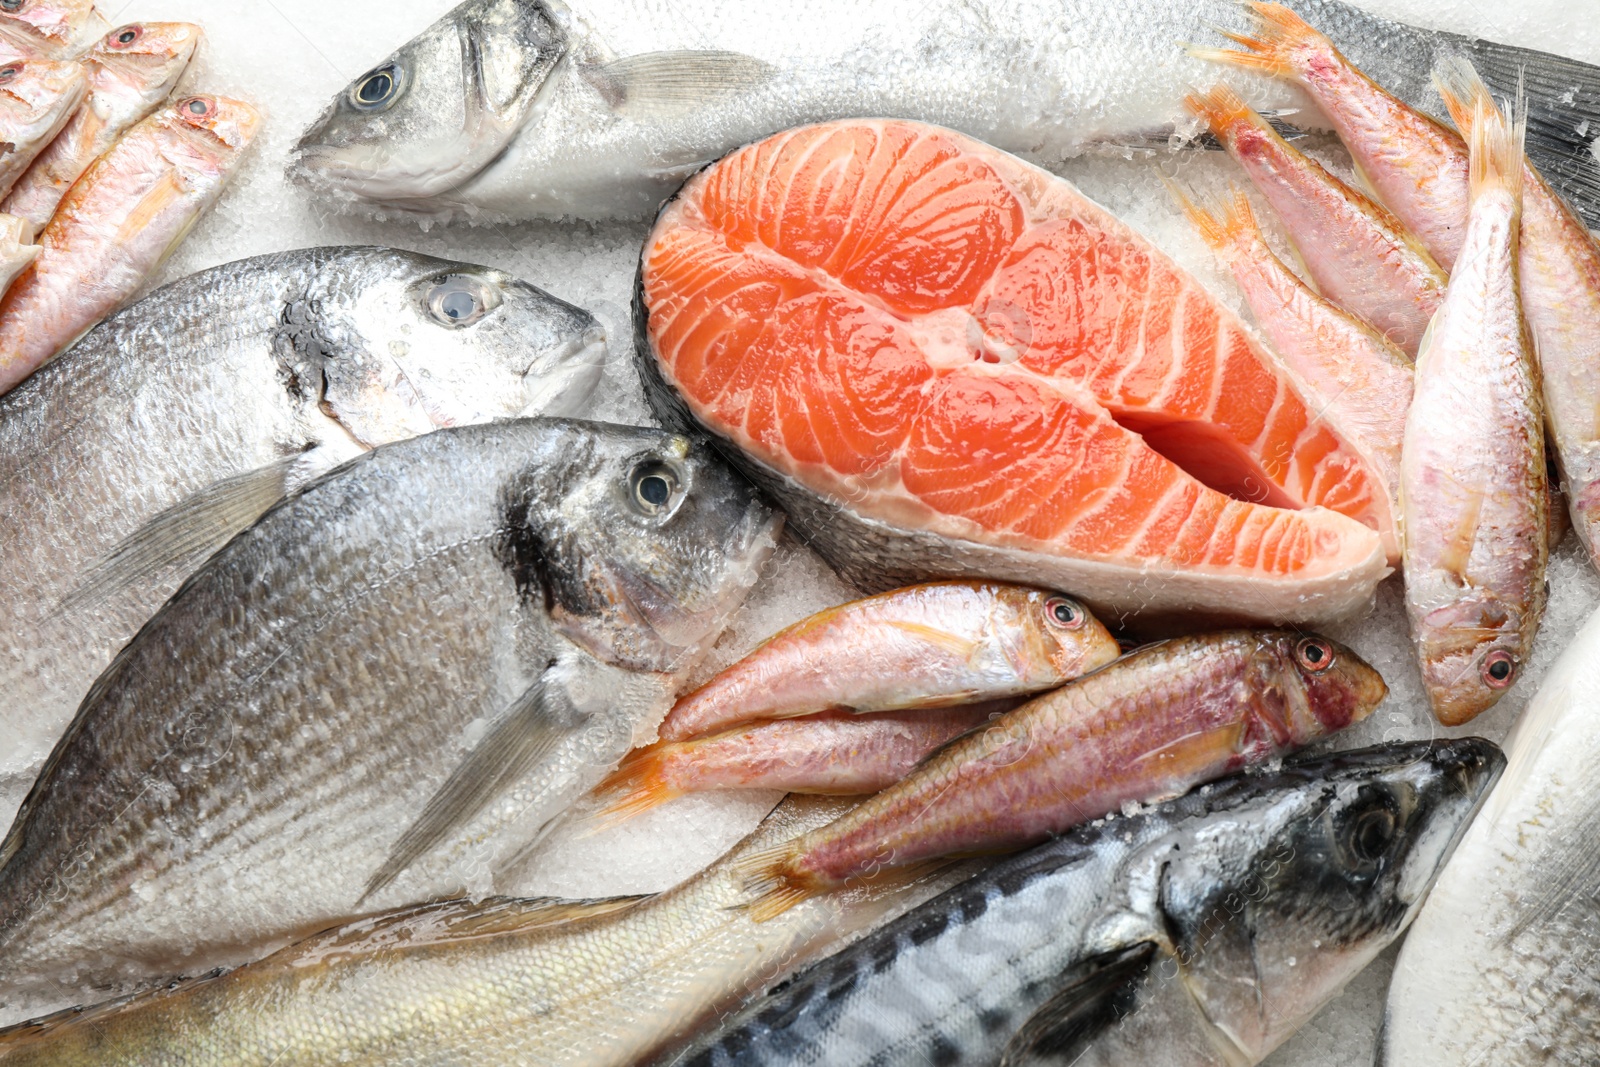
x: 391, y: 344
x: 1296, y: 880
x: 642, y: 542
x: 429, y: 117
x: 147, y: 58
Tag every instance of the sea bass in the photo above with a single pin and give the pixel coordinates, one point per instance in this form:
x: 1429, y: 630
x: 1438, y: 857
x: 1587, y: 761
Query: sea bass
x: 1420, y: 170
x: 600, y: 108
x: 382, y: 692
x: 984, y: 373
x: 1355, y: 372
x: 1500, y: 968
x: 591, y: 984
x: 131, y: 71
x: 48, y: 29
x: 37, y: 98
x: 1150, y: 726
x: 177, y: 421
x: 924, y: 646
x: 1198, y: 934
x: 118, y: 223
x: 1472, y: 471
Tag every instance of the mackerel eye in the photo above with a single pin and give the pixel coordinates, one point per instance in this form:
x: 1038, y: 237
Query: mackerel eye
x: 461, y: 300
x: 1314, y: 654
x: 1371, y: 834
x: 1064, y: 613
x: 376, y: 89
x: 1499, y: 669
x: 126, y: 36
x: 652, y: 485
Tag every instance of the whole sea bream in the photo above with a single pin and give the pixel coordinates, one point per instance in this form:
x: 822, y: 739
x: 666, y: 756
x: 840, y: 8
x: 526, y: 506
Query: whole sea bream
x: 600, y: 108
x: 186, y: 415
x: 1200, y: 933
x: 380, y: 693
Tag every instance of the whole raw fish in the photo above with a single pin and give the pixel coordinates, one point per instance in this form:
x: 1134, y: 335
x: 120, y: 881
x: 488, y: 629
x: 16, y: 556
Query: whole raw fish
x: 37, y: 98
x: 48, y: 29
x: 1199, y: 934
x: 1358, y: 255
x: 1500, y: 967
x: 1157, y: 722
x: 131, y: 71
x: 177, y: 421
x: 600, y: 108
x: 118, y: 223
x: 834, y: 752
x: 590, y: 984
x: 1472, y: 474
x: 1355, y: 372
x: 1420, y: 171
x: 923, y: 646
x: 380, y: 693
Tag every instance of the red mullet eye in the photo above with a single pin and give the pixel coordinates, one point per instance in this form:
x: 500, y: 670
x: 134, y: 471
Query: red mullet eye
x: 1499, y: 668
x: 128, y: 35
x: 10, y: 71
x: 1314, y: 655
x: 1063, y: 613
x: 197, y: 106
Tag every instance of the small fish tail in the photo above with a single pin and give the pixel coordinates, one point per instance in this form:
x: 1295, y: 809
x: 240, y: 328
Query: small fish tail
x: 638, y: 784
x: 774, y: 887
x: 1494, y: 138
x: 1222, y: 109
x: 1277, y: 33
x: 1220, y: 226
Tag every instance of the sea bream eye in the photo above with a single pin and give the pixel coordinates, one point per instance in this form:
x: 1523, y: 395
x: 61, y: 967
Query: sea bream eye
x: 376, y: 89
x: 459, y: 300
x: 653, y: 485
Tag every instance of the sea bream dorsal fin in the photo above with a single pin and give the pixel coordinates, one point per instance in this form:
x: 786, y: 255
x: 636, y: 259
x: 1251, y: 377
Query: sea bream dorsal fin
x: 1096, y: 994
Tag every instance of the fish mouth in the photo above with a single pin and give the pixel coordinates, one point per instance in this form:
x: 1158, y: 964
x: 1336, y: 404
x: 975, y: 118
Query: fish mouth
x: 561, y: 382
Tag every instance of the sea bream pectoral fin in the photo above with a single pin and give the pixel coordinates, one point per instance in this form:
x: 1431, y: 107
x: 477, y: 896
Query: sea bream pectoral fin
x: 534, y: 724
x: 1097, y: 994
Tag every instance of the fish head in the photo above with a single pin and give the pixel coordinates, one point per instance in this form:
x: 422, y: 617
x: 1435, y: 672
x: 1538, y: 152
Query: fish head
x: 1312, y: 686
x: 403, y: 343
x: 47, y: 28
x: 1062, y: 637
x: 644, y: 541
x: 1303, y: 876
x: 428, y: 118
x: 218, y: 127
x: 148, y: 57
x: 1471, y: 650
x: 34, y: 93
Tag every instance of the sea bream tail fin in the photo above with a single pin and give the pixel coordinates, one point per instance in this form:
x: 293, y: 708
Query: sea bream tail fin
x: 1495, y: 140
x: 523, y: 736
x: 183, y: 535
x: 1096, y: 995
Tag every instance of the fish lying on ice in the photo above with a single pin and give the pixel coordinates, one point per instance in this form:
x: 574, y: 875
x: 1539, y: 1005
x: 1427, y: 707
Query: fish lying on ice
x: 118, y: 223
x: 1198, y: 934
x: 923, y: 646
x: 48, y: 29
x: 382, y: 692
x: 1154, y: 724
x: 1419, y: 169
x: 836, y: 753
x: 1357, y: 254
x: 1355, y: 373
x: 1500, y: 967
x: 600, y: 984
x: 985, y: 373
x: 177, y: 421
x: 131, y: 71
x: 599, y: 108
x: 37, y: 98
x: 1472, y: 471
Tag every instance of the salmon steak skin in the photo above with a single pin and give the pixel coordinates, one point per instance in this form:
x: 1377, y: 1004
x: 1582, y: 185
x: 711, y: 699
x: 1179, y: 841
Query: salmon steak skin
x: 944, y: 361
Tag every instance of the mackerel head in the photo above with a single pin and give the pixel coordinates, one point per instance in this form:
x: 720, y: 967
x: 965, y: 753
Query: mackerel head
x: 380, y: 693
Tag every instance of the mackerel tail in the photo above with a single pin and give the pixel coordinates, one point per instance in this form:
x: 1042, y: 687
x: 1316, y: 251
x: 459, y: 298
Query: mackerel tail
x: 1563, y: 94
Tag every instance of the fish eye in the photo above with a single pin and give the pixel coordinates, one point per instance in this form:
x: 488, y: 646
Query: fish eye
x: 376, y: 88
x: 198, y: 106
x: 1314, y: 654
x: 461, y: 300
x: 1499, y: 669
x: 1065, y: 613
x: 127, y: 35
x: 10, y: 70
x: 1371, y: 833
x: 652, y: 486
x: 12, y: 5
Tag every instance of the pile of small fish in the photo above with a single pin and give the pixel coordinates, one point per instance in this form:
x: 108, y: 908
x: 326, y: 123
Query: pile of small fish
x: 101, y: 165
x: 302, y: 678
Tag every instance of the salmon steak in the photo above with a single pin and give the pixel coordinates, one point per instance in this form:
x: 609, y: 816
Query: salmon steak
x: 942, y: 360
